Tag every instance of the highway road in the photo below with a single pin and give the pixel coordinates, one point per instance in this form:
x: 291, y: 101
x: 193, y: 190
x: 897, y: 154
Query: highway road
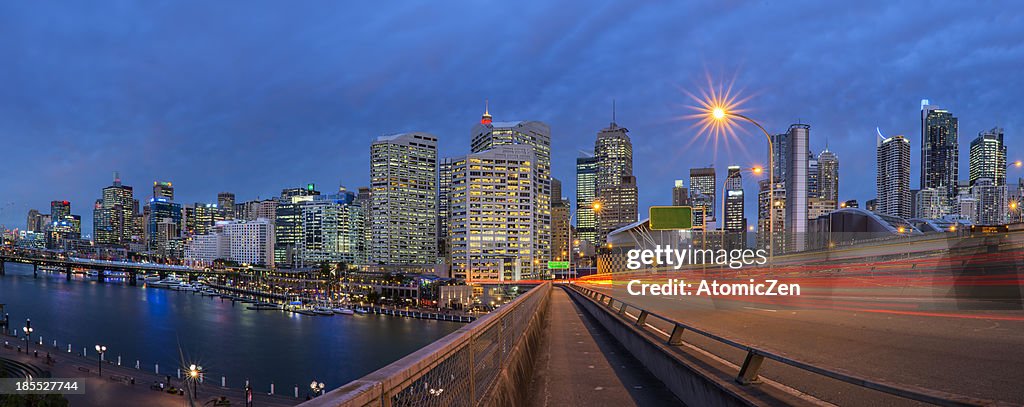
x: 949, y: 320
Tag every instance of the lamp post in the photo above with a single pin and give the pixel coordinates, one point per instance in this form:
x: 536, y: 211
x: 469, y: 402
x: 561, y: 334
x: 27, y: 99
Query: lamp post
x: 100, y: 349
x: 720, y: 114
x: 317, y: 387
x: 28, y: 333
x: 193, y: 376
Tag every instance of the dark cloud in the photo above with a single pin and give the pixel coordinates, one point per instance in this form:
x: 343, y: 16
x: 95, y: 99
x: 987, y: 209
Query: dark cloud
x: 251, y: 97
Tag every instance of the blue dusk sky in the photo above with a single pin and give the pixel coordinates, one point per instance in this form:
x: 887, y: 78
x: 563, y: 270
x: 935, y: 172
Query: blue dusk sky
x: 252, y: 97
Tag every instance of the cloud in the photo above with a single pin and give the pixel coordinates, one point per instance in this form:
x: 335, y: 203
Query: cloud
x: 253, y: 97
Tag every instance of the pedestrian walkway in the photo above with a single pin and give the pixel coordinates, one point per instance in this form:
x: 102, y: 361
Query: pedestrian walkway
x: 115, y: 387
x: 581, y: 364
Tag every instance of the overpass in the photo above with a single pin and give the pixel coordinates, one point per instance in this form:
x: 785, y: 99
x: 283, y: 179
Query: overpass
x: 66, y: 263
x: 921, y: 322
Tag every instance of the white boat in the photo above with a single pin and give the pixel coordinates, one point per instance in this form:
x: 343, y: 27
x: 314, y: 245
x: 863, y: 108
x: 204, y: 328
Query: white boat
x: 183, y: 286
x: 92, y: 273
x: 343, y: 311
x: 361, y: 310
x: 169, y: 282
x: 323, y: 311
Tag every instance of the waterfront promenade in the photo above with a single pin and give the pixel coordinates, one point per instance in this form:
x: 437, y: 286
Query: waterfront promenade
x: 114, y: 388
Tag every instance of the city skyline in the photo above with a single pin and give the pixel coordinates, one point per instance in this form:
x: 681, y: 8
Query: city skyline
x: 207, y: 146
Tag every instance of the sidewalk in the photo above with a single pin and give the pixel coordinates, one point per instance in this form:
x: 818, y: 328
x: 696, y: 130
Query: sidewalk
x: 107, y: 391
x: 580, y: 364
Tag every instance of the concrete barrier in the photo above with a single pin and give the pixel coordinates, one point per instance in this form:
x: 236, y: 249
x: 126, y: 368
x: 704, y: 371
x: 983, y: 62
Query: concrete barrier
x: 488, y: 362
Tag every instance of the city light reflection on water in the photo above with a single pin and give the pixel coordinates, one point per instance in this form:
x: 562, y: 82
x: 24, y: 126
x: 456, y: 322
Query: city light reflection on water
x: 148, y: 324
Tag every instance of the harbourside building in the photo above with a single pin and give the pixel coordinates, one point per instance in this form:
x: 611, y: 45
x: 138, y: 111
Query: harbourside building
x: 403, y: 195
x: 494, y: 216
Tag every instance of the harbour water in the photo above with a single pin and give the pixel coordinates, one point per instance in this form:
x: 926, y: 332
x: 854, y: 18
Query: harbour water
x: 152, y: 324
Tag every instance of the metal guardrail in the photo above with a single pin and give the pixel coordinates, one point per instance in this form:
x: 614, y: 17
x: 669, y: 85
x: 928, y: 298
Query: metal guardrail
x: 461, y: 369
x: 755, y: 357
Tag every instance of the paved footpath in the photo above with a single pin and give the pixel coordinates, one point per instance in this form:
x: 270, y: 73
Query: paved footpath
x: 581, y: 364
x: 110, y: 391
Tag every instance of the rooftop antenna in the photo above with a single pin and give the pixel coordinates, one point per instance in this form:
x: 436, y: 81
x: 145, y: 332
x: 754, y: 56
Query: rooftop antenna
x: 613, y: 110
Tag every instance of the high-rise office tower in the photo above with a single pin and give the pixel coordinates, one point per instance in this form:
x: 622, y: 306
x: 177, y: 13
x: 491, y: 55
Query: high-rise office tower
x: 586, y: 180
x: 332, y: 230
x: 288, y: 224
x: 35, y: 223
x: 796, y: 174
x: 200, y: 218
x: 226, y: 203
x: 988, y: 157
x: 560, y: 245
x: 780, y: 155
x: 940, y: 154
x: 702, y: 191
x: 734, y: 224
x: 364, y: 202
x: 813, y: 186
x: 59, y: 210
x: 559, y: 222
x: 444, y: 186
x: 893, y: 181
x: 403, y: 192
x: 163, y: 224
x: 163, y: 189
x: 615, y: 187
x: 493, y: 207
x: 489, y: 134
x: 680, y: 195
x: 828, y: 176
x: 114, y: 214
x: 991, y: 202
x: 765, y: 217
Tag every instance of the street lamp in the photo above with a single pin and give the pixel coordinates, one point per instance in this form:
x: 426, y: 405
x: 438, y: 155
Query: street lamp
x: 316, y: 387
x: 28, y: 333
x: 719, y: 114
x: 100, y: 349
x: 193, y: 375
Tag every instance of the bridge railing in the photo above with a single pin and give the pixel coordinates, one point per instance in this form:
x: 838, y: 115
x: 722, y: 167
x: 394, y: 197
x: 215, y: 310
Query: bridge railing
x: 748, y: 373
x: 461, y: 369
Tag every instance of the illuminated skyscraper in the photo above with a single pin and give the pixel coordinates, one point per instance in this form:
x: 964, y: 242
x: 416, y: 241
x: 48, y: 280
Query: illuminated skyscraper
x: 226, y: 203
x: 403, y: 192
x: 489, y: 134
x: 114, y: 215
x: 796, y: 179
x: 163, y: 189
x: 493, y: 216
x: 288, y: 224
x: 828, y: 176
x: 733, y: 221
x: 893, y: 181
x: 444, y: 185
x: 332, y: 230
x: 680, y: 195
x: 991, y: 201
x: 988, y: 157
x: 940, y: 155
x: 586, y: 179
x: 702, y: 192
x: 615, y: 187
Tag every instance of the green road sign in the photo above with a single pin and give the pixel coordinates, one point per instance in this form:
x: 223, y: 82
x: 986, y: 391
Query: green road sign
x: 671, y: 217
x: 558, y: 265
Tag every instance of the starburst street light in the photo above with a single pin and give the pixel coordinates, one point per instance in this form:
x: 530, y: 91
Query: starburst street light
x: 716, y: 110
